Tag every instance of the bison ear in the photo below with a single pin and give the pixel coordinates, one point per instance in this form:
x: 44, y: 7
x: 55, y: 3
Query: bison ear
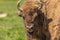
x: 20, y: 13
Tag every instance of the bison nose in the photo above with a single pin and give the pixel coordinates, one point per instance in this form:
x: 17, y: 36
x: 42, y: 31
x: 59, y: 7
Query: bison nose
x: 30, y: 28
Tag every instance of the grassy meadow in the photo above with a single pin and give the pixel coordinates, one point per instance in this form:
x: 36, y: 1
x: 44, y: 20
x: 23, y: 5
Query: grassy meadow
x: 11, y: 27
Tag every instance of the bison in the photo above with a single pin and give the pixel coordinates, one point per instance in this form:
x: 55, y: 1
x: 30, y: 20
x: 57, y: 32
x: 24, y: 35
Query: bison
x: 39, y: 18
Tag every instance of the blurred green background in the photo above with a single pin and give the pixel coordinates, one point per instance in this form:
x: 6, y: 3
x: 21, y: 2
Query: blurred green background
x: 12, y: 26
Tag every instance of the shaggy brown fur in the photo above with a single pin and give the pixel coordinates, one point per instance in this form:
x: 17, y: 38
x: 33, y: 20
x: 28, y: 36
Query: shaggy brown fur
x: 35, y: 19
x: 53, y: 11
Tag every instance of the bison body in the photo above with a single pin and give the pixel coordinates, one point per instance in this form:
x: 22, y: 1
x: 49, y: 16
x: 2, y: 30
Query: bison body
x: 41, y: 19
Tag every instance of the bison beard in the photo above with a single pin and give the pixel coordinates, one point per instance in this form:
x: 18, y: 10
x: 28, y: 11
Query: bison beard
x: 37, y: 33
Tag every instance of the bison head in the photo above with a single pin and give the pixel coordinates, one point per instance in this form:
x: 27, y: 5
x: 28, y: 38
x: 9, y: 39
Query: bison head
x: 30, y: 13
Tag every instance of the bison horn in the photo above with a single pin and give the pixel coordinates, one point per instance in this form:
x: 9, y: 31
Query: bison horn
x: 18, y: 5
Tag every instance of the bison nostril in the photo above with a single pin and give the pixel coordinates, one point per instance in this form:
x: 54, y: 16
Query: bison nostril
x: 31, y: 27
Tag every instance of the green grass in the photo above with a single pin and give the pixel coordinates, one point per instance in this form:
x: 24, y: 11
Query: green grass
x: 11, y: 27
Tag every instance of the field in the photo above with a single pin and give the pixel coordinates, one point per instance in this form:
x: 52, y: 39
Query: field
x: 11, y: 27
